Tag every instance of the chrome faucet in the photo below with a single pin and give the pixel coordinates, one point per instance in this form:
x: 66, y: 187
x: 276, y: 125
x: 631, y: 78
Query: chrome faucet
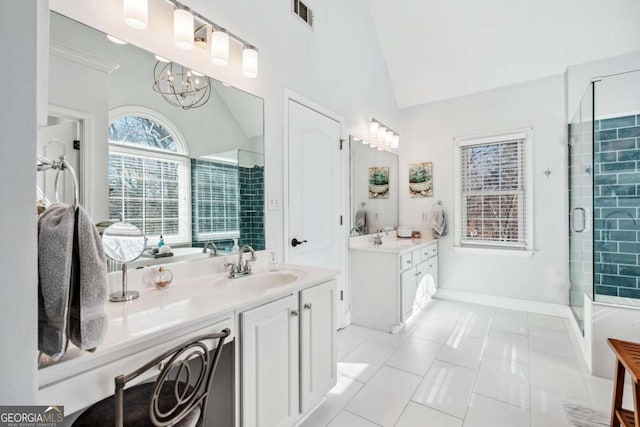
x: 377, y: 240
x: 210, y: 245
x: 240, y: 269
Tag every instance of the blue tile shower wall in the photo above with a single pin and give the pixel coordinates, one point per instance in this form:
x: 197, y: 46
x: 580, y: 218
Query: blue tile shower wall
x: 252, y: 206
x: 616, y: 206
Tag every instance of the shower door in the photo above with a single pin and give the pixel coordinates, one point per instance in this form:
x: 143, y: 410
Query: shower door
x: 581, y: 205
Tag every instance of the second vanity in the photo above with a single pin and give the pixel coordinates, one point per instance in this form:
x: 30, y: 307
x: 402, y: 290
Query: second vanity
x: 281, y: 351
x: 392, y: 281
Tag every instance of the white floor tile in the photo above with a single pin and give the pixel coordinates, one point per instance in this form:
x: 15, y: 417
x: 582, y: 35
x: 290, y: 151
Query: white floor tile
x: 556, y: 374
x: 483, y: 310
x: 337, y: 398
x: 415, y: 356
x: 601, y: 392
x: 432, y: 329
x: 351, y: 337
x: 418, y: 415
x: 363, y: 362
x: 509, y: 322
x: 391, y: 340
x: 446, y: 388
x: 473, y: 325
x: 508, y: 346
x: 504, y: 380
x: 547, y: 409
x: 347, y: 419
x: 447, y: 311
x: 462, y: 351
x: 385, y: 396
x: 547, y: 322
x: 340, y: 354
x: 551, y: 342
x: 484, y: 412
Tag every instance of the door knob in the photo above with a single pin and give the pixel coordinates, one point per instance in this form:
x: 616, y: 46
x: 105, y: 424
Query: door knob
x: 295, y: 242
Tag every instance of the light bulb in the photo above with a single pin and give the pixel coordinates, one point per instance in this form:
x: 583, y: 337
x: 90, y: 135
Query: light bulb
x: 220, y: 48
x: 396, y: 141
x: 250, y: 62
x: 373, y: 129
x: 388, y: 139
x: 183, y: 29
x: 382, y: 133
x: 135, y: 13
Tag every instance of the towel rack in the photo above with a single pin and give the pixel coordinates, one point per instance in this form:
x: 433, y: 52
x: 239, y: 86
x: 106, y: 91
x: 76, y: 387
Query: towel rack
x: 61, y: 165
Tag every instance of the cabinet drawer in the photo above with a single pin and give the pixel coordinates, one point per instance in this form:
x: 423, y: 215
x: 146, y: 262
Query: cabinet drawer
x: 415, y: 256
x: 429, y: 250
x: 406, y: 261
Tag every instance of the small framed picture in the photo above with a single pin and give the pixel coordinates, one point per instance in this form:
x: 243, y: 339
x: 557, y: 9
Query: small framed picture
x: 379, y: 182
x: 421, y: 179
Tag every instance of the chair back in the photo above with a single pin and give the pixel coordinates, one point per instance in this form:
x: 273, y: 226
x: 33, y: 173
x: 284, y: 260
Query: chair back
x: 186, y: 372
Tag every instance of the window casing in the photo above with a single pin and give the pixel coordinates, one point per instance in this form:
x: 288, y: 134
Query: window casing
x: 149, y: 178
x: 493, y: 191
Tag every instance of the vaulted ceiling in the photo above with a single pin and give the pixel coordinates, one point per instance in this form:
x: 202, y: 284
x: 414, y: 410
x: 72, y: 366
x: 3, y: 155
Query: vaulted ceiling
x: 438, y: 49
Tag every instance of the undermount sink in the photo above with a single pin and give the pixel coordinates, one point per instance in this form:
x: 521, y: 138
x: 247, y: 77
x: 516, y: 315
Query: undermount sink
x: 263, y: 280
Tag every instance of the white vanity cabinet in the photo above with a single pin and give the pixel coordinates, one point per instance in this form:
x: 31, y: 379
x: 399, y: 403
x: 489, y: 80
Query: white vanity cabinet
x: 288, y: 356
x: 391, y: 283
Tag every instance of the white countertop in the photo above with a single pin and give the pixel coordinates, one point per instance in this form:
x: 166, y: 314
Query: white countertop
x: 390, y: 244
x: 196, y: 297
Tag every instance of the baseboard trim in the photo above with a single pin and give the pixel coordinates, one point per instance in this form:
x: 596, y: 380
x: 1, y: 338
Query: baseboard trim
x: 504, y: 302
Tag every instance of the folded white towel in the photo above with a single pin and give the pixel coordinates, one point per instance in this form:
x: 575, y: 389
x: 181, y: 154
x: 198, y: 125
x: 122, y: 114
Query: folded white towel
x: 438, y: 221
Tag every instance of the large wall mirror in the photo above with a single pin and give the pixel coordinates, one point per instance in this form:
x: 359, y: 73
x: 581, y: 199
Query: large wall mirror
x: 374, y: 188
x: 191, y: 174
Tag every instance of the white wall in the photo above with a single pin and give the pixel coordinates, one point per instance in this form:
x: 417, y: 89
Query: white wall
x: 23, y: 36
x: 427, y: 135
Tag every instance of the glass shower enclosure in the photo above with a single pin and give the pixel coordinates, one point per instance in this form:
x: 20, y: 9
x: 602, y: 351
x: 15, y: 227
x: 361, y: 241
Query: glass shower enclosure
x: 604, y: 194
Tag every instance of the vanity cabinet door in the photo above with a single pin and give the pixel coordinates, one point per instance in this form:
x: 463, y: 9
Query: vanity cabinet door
x: 408, y: 286
x: 270, y: 368
x: 318, y: 357
x: 431, y: 277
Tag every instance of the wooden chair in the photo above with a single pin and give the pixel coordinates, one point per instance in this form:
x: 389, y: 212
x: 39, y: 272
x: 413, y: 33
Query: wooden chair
x: 178, y: 397
x: 627, y: 358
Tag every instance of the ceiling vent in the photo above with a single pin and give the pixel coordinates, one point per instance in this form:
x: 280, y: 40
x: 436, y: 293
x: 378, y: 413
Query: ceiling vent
x: 303, y: 12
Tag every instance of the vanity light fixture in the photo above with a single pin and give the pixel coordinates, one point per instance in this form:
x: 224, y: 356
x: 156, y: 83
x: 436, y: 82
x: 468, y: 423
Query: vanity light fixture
x: 116, y: 40
x: 250, y: 62
x: 136, y: 13
x: 183, y: 29
x: 385, y: 137
x: 219, y: 47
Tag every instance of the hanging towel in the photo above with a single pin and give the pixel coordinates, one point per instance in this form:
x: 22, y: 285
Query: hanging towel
x: 88, y: 320
x: 361, y: 219
x: 438, y: 221
x: 55, y: 248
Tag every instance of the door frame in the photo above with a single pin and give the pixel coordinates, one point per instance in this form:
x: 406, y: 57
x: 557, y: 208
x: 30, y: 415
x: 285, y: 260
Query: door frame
x: 344, y: 316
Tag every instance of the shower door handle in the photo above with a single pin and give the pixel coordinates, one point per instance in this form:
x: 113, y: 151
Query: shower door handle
x: 572, y: 220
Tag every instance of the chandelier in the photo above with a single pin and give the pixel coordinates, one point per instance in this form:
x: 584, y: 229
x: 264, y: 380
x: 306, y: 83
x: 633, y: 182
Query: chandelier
x: 181, y: 86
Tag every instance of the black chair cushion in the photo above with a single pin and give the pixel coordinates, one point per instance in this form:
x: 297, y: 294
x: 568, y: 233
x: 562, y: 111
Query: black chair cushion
x: 136, y: 408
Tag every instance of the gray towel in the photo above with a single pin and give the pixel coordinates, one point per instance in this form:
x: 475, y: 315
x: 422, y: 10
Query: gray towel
x: 88, y: 320
x: 361, y: 219
x: 55, y: 247
x: 438, y: 221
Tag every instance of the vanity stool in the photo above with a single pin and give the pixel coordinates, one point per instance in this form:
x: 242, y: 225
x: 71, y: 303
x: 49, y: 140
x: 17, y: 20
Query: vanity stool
x: 627, y: 357
x: 178, y: 397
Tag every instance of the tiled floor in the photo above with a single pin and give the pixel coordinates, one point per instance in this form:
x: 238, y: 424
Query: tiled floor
x: 460, y: 364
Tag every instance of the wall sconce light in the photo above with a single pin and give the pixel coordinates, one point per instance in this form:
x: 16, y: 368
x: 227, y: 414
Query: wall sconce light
x: 219, y: 47
x: 250, y: 62
x: 136, y: 13
x: 385, y: 136
x: 183, y: 29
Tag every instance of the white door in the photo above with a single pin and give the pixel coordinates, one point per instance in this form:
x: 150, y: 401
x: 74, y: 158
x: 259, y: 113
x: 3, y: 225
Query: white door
x: 270, y: 370
x: 318, y: 353
x: 314, y: 193
x: 54, y: 141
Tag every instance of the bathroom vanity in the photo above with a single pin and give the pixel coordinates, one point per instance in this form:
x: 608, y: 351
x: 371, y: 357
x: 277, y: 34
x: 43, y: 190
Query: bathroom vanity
x: 275, y: 319
x: 392, y: 281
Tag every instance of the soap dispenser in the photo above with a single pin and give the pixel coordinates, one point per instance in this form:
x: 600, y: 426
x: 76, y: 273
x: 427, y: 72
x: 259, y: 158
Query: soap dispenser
x: 235, y: 249
x: 273, y: 260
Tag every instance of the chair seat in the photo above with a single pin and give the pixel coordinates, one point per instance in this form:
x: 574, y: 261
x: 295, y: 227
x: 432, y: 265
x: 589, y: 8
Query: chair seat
x: 136, y: 408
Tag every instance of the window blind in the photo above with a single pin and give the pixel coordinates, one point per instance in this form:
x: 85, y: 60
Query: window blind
x: 215, y: 197
x: 149, y: 191
x: 493, y: 194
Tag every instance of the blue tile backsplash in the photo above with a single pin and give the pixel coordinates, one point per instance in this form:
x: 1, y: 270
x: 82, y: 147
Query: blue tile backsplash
x: 616, y: 206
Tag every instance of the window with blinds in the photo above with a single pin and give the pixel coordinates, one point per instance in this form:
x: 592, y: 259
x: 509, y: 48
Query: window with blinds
x: 493, y: 191
x: 148, y: 180
x: 215, y: 200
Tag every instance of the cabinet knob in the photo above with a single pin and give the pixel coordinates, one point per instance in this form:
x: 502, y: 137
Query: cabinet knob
x: 308, y: 306
x: 408, y: 261
x: 295, y: 313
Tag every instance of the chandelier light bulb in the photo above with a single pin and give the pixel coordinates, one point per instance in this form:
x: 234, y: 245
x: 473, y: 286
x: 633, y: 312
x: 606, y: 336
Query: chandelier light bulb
x: 388, y: 140
x: 250, y: 62
x: 183, y: 29
x: 373, y: 129
x: 135, y: 13
x: 220, y: 47
x: 396, y: 141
